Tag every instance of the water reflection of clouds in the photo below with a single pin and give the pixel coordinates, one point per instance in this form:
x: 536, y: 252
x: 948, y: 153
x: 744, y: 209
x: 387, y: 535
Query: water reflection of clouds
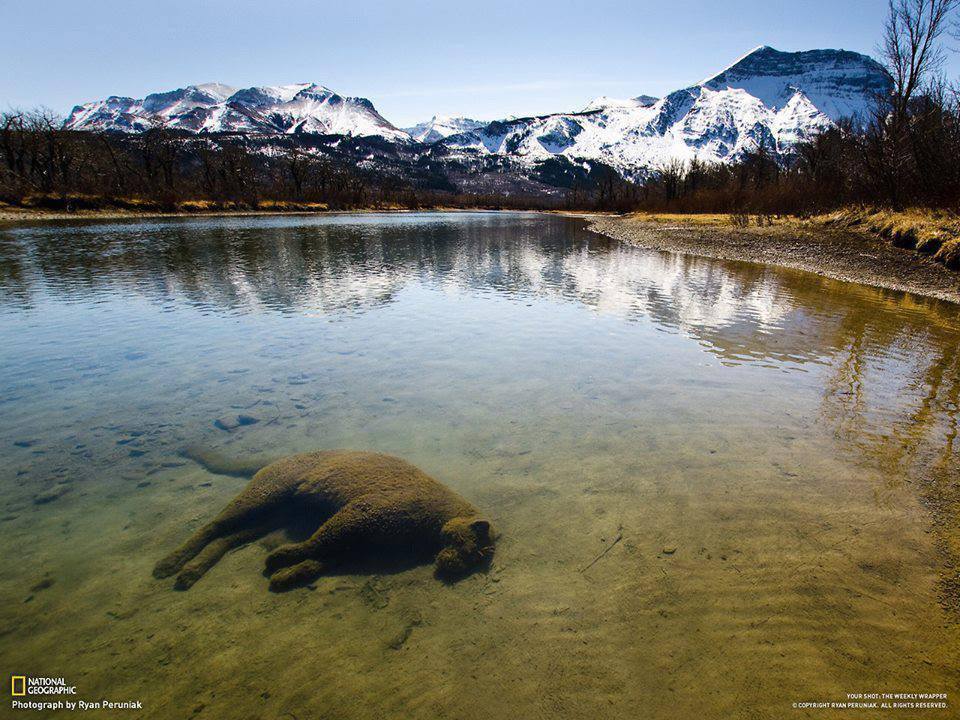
x: 627, y: 283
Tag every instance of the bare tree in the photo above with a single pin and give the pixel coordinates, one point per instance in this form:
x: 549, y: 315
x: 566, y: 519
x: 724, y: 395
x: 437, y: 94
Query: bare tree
x: 911, y: 48
x: 672, y: 174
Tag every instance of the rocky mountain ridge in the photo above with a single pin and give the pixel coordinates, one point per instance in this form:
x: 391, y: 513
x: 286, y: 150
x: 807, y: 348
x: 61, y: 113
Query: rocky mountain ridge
x: 766, y: 98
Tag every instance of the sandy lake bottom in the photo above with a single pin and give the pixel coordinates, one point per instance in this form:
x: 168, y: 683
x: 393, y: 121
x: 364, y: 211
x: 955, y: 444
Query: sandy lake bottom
x: 722, y: 488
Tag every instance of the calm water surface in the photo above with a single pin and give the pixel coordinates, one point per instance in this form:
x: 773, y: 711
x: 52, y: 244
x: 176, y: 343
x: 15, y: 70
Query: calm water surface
x: 722, y: 488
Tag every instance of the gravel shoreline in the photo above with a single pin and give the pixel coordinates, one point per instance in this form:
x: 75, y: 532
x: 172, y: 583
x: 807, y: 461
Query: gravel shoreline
x: 837, y: 254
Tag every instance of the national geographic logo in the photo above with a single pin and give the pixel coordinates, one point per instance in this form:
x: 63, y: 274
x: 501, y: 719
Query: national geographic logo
x: 24, y: 685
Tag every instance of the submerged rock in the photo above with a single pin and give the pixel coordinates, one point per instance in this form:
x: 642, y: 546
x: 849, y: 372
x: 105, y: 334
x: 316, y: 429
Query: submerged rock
x: 230, y: 423
x: 45, y: 583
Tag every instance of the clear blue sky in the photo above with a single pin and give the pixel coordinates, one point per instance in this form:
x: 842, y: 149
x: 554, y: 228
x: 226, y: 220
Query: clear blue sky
x: 483, y: 59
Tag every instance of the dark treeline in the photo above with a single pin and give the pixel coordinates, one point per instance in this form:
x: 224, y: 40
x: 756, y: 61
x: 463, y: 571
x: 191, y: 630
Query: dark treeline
x: 47, y: 165
x: 905, y: 153
x: 44, y: 165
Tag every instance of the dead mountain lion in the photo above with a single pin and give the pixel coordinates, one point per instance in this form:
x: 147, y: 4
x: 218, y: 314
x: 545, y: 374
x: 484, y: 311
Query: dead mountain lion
x: 354, y: 502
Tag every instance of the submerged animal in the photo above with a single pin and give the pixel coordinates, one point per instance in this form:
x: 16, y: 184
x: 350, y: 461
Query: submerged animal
x: 355, y: 503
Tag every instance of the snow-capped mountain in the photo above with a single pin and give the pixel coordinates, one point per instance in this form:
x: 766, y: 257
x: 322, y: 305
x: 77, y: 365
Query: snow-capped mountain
x: 212, y: 107
x: 839, y: 83
x: 440, y: 126
x: 767, y: 97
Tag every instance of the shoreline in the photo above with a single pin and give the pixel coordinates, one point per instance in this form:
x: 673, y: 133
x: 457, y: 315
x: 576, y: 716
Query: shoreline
x: 840, y: 254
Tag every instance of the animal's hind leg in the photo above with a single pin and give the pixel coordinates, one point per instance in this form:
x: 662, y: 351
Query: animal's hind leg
x: 241, y: 511
x: 213, y: 551
x: 172, y: 563
x: 353, y: 524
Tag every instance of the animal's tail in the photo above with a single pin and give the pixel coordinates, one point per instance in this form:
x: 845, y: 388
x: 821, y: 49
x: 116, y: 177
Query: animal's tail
x: 222, y: 465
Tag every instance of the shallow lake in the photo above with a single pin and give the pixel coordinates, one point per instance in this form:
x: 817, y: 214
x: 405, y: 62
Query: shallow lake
x: 721, y: 488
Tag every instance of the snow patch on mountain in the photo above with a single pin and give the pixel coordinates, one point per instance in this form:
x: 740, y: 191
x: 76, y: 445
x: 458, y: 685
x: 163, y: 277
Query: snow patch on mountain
x: 442, y: 126
x: 599, y: 103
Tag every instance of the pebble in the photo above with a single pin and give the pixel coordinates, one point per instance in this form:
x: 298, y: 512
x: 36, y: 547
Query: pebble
x: 669, y: 549
x: 231, y: 423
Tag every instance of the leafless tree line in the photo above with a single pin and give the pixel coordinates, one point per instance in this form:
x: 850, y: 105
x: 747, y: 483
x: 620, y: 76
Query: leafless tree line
x: 42, y: 163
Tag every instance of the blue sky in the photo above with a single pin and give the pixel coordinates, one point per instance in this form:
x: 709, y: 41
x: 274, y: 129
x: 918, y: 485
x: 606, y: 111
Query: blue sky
x: 483, y: 59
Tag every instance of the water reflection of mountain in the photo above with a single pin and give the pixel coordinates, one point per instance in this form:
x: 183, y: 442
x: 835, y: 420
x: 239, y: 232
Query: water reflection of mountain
x: 740, y: 311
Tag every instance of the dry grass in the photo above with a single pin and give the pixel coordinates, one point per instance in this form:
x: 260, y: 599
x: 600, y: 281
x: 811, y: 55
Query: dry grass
x: 931, y: 232
x: 288, y: 206
x: 698, y: 219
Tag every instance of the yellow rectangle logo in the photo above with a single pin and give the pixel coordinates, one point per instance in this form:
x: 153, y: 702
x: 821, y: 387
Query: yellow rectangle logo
x: 18, y: 685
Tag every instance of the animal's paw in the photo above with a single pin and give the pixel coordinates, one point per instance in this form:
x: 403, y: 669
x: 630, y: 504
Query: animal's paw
x: 167, y: 567
x: 296, y: 576
x: 187, y: 578
x: 284, y: 556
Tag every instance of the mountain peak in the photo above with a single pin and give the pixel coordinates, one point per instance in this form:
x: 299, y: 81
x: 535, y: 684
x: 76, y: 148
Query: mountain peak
x: 216, y: 89
x: 840, y: 83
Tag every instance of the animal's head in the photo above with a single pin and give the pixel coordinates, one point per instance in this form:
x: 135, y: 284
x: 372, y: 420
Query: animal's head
x: 467, y: 544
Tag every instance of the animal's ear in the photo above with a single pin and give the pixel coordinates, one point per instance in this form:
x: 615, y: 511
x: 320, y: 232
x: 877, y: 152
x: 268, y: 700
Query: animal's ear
x: 481, y: 529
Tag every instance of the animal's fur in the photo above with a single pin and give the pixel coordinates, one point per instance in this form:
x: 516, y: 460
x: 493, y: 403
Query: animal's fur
x: 359, y: 501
